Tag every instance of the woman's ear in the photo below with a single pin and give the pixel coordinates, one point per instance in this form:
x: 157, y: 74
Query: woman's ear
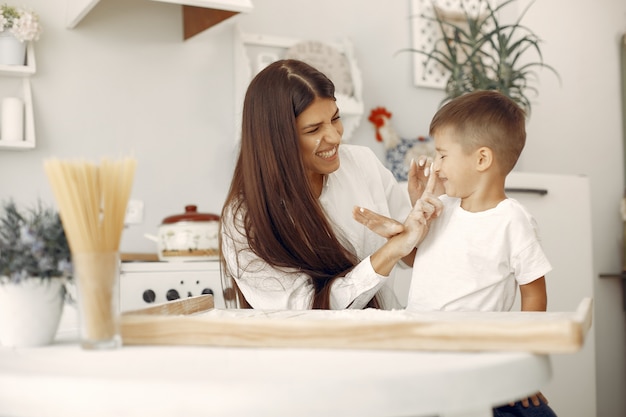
x: 484, y: 158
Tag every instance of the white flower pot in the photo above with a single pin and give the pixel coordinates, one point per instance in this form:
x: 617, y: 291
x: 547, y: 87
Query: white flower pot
x: 30, y: 311
x: 12, y: 50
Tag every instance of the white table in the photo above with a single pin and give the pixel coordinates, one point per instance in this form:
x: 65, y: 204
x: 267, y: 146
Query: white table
x: 65, y: 380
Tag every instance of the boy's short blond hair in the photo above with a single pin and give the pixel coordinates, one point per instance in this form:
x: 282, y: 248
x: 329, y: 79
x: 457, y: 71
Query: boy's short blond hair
x: 485, y: 118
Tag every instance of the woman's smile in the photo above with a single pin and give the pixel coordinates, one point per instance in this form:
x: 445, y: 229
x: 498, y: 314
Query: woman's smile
x: 320, y: 130
x: 327, y: 154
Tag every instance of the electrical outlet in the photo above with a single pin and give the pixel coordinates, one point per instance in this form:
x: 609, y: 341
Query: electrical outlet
x: 134, y: 212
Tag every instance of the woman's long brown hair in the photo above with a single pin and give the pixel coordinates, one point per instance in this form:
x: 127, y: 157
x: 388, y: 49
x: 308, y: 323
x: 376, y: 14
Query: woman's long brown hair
x: 282, y: 218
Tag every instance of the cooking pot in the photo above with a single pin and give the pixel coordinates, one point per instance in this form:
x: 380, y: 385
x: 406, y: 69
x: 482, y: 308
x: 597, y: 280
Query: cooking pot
x: 190, y: 236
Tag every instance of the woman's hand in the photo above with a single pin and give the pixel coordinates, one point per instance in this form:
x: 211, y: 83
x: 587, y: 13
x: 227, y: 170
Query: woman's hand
x: 419, y: 174
x: 377, y: 223
x: 402, y: 238
x: 429, y: 205
x: 415, y: 228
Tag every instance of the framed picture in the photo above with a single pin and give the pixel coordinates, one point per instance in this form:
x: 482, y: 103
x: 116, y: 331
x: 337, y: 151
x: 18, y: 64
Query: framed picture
x: 425, y: 32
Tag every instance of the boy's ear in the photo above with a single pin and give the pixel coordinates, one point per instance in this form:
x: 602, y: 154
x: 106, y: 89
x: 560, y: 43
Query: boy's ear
x: 484, y: 158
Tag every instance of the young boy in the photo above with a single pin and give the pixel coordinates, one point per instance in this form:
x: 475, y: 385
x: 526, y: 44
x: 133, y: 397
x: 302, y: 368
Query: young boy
x: 482, y: 244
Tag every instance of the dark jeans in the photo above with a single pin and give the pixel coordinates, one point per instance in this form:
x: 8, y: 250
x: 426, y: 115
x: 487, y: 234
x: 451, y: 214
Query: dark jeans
x: 518, y: 410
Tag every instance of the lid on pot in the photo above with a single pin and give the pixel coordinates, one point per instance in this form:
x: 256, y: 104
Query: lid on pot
x: 191, y: 215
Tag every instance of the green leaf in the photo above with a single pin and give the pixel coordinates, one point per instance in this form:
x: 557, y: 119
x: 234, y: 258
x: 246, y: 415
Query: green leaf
x: 483, y: 54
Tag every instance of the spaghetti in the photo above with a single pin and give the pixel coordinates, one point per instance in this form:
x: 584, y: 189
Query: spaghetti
x: 92, y: 204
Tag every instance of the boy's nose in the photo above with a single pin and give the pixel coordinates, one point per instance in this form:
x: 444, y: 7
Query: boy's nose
x: 436, y: 164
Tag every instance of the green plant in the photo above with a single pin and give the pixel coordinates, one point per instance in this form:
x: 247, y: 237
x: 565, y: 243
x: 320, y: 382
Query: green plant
x: 480, y: 53
x: 32, y: 244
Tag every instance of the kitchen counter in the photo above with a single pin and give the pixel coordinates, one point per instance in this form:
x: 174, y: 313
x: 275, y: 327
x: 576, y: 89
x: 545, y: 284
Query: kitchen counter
x: 64, y: 380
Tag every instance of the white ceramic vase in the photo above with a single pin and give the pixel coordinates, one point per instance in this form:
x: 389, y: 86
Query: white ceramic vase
x: 12, y: 50
x: 30, y: 311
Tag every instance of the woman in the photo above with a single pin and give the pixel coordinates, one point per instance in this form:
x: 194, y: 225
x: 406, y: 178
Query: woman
x: 288, y: 239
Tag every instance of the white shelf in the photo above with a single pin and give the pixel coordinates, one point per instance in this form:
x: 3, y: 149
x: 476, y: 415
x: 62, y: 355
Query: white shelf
x: 23, y: 71
x: 78, y: 9
x: 17, y: 146
x: 240, y: 6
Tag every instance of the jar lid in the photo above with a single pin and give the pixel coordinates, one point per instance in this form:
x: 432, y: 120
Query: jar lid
x: 191, y: 215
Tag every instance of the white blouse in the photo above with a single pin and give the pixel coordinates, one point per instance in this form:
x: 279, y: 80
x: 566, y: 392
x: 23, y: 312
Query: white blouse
x: 361, y: 180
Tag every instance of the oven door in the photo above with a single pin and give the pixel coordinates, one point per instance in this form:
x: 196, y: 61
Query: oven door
x: 144, y: 284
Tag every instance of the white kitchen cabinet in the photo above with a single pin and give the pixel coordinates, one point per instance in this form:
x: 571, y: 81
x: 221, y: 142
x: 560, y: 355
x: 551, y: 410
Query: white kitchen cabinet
x: 24, y: 72
x: 198, y: 15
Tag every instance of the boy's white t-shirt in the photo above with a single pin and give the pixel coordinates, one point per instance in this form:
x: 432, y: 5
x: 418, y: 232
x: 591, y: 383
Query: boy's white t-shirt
x: 474, y: 261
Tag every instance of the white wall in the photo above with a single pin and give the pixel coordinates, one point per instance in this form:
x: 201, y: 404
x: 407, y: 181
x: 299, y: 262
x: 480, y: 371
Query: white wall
x: 124, y: 81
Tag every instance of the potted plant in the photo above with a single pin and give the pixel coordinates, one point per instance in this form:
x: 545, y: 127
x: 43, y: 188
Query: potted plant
x: 23, y: 24
x: 17, y: 27
x: 35, y: 264
x: 480, y: 53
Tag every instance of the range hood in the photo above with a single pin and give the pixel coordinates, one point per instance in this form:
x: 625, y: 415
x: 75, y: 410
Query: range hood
x: 198, y: 15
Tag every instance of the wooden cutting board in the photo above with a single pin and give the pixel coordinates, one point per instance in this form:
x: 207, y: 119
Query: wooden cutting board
x: 194, y: 322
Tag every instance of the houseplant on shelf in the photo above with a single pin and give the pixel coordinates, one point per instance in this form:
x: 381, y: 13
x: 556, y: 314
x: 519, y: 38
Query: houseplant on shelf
x: 17, y: 27
x: 35, y: 264
x: 481, y: 53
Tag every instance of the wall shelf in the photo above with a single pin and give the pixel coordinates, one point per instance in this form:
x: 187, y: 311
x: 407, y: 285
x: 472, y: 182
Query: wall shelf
x: 198, y: 15
x: 24, y: 72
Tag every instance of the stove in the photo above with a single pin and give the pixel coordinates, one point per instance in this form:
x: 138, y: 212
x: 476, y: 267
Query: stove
x: 144, y: 284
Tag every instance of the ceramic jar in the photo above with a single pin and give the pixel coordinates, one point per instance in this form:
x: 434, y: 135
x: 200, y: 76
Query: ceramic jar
x: 190, y: 236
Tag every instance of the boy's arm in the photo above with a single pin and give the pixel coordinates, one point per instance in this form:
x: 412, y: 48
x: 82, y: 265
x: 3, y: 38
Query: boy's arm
x: 534, y: 298
x: 533, y: 295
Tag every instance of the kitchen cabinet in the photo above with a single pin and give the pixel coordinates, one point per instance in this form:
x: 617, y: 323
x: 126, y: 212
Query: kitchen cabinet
x: 15, y: 72
x: 198, y: 15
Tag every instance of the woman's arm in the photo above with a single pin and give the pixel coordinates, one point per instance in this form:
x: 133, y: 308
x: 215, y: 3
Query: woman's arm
x: 269, y: 288
x: 266, y: 287
x: 402, y: 244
